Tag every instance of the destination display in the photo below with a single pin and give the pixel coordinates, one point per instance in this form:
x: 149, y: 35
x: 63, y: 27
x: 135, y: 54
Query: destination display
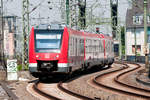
x: 48, y: 36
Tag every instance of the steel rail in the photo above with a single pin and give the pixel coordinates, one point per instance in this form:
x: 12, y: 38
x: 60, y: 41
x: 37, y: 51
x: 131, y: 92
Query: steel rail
x: 116, y: 79
x: 131, y: 86
x: 60, y: 86
x: 49, y: 96
x: 8, y: 91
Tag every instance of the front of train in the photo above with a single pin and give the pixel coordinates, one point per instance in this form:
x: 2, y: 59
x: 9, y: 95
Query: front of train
x: 48, y: 50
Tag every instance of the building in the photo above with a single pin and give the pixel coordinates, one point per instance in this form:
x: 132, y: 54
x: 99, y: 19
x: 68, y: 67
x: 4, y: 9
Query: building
x: 10, y: 41
x: 135, y: 30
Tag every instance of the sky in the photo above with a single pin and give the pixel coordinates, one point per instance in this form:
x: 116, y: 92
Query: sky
x: 14, y: 7
x: 102, y: 9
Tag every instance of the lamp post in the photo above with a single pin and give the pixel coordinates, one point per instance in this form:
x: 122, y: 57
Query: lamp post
x: 145, y: 36
x: 135, y: 46
x: 67, y: 12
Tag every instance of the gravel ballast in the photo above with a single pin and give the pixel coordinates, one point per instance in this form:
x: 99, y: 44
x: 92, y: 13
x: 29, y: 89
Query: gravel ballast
x: 81, y: 86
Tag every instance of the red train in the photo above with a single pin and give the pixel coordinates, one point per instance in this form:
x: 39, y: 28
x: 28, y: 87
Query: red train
x: 63, y: 50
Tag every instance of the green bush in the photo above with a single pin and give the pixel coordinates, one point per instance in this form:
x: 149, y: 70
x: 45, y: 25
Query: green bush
x: 19, y: 67
x: 138, y: 54
x: 26, y: 67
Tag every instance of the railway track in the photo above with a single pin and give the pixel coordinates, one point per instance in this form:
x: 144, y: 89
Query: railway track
x: 61, y: 86
x: 112, y: 81
x: 119, y: 87
x: 69, y: 95
x: 10, y: 93
x: 49, y: 96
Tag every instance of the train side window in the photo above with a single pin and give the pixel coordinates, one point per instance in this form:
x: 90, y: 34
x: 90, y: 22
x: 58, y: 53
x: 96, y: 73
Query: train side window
x: 94, y: 44
x: 106, y: 45
x: 70, y: 46
x: 81, y: 47
x: 110, y: 45
x: 78, y: 43
x: 88, y: 45
x: 85, y: 45
x: 100, y: 46
x: 76, y: 46
x: 73, y: 44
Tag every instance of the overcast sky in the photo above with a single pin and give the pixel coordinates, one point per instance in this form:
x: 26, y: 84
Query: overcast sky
x: 14, y: 7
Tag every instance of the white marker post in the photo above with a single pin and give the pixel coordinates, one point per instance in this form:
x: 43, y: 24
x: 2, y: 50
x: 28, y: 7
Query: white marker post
x: 12, y: 70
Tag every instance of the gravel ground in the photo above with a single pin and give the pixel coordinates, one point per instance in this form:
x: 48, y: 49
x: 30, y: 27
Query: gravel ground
x: 3, y: 94
x: 19, y: 87
x: 80, y: 86
x: 131, y: 80
x: 144, y: 78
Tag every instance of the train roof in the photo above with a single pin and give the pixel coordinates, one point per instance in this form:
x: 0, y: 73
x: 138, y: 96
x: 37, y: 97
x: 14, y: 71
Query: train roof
x: 107, y: 37
x: 88, y: 34
x: 49, y: 27
x: 71, y: 31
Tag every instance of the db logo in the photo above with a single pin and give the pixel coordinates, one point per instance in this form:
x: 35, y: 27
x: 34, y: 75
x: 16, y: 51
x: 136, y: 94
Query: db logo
x: 47, y: 56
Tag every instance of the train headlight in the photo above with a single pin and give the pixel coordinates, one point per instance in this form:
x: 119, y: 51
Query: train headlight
x: 49, y: 27
x: 37, y: 56
x: 57, y: 56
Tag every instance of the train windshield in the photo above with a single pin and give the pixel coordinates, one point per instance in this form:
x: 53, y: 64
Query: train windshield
x: 48, y: 40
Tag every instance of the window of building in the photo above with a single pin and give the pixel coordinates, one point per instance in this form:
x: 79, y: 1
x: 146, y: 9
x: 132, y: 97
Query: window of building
x: 138, y: 49
x: 148, y: 19
x: 137, y: 19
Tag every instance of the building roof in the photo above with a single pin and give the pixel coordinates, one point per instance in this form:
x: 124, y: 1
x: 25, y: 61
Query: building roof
x: 137, y: 9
